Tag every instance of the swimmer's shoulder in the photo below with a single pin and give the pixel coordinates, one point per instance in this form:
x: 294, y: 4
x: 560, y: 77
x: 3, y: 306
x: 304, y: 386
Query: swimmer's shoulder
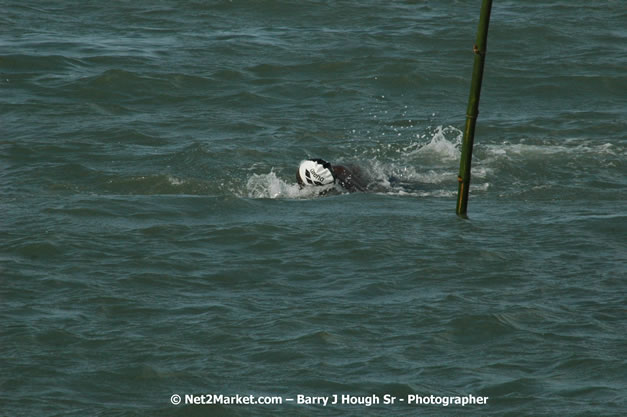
x: 348, y: 179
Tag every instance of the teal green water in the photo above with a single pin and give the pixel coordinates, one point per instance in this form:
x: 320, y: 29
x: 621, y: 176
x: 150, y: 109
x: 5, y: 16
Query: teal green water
x: 154, y: 241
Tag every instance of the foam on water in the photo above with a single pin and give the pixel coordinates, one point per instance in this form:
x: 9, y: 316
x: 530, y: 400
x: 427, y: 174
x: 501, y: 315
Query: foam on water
x: 426, y: 167
x: 271, y: 186
x: 548, y: 148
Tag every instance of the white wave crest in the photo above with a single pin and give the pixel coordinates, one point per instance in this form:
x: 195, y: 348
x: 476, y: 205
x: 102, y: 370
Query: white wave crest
x: 443, y: 146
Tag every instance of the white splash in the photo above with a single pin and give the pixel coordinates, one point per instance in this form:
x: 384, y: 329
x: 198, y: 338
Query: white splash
x: 271, y: 186
x: 444, y: 145
x: 175, y: 181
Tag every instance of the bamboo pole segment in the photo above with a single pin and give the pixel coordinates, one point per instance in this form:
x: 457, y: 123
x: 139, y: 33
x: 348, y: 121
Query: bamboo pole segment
x: 473, y: 108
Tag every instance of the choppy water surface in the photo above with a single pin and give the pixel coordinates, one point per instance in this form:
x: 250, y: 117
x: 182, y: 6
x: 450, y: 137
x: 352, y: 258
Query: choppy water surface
x: 155, y: 242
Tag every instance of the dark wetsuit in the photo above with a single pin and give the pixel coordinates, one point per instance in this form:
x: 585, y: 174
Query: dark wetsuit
x: 347, y: 179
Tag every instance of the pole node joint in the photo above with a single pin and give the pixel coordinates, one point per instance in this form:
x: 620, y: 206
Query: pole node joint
x: 476, y: 50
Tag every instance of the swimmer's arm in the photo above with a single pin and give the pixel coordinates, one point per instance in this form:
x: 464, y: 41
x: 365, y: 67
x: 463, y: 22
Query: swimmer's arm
x: 347, y: 179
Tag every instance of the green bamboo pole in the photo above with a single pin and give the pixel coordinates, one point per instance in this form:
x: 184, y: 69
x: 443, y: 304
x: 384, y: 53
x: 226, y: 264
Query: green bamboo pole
x: 473, y: 108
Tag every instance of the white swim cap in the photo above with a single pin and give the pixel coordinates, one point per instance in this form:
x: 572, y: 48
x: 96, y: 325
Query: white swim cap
x: 315, y: 172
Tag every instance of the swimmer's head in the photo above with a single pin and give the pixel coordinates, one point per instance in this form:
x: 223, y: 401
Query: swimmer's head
x: 315, y: 172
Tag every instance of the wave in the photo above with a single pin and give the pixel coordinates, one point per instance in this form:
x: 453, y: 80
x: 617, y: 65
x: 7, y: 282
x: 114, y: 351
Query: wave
x: 577, y: 147
x: 427, y: 165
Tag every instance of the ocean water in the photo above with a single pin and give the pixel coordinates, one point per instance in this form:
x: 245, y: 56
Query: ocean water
x: 153, y: 240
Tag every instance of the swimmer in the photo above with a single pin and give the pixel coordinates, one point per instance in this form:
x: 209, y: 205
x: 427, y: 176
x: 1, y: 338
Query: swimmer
x: 320, y: 173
